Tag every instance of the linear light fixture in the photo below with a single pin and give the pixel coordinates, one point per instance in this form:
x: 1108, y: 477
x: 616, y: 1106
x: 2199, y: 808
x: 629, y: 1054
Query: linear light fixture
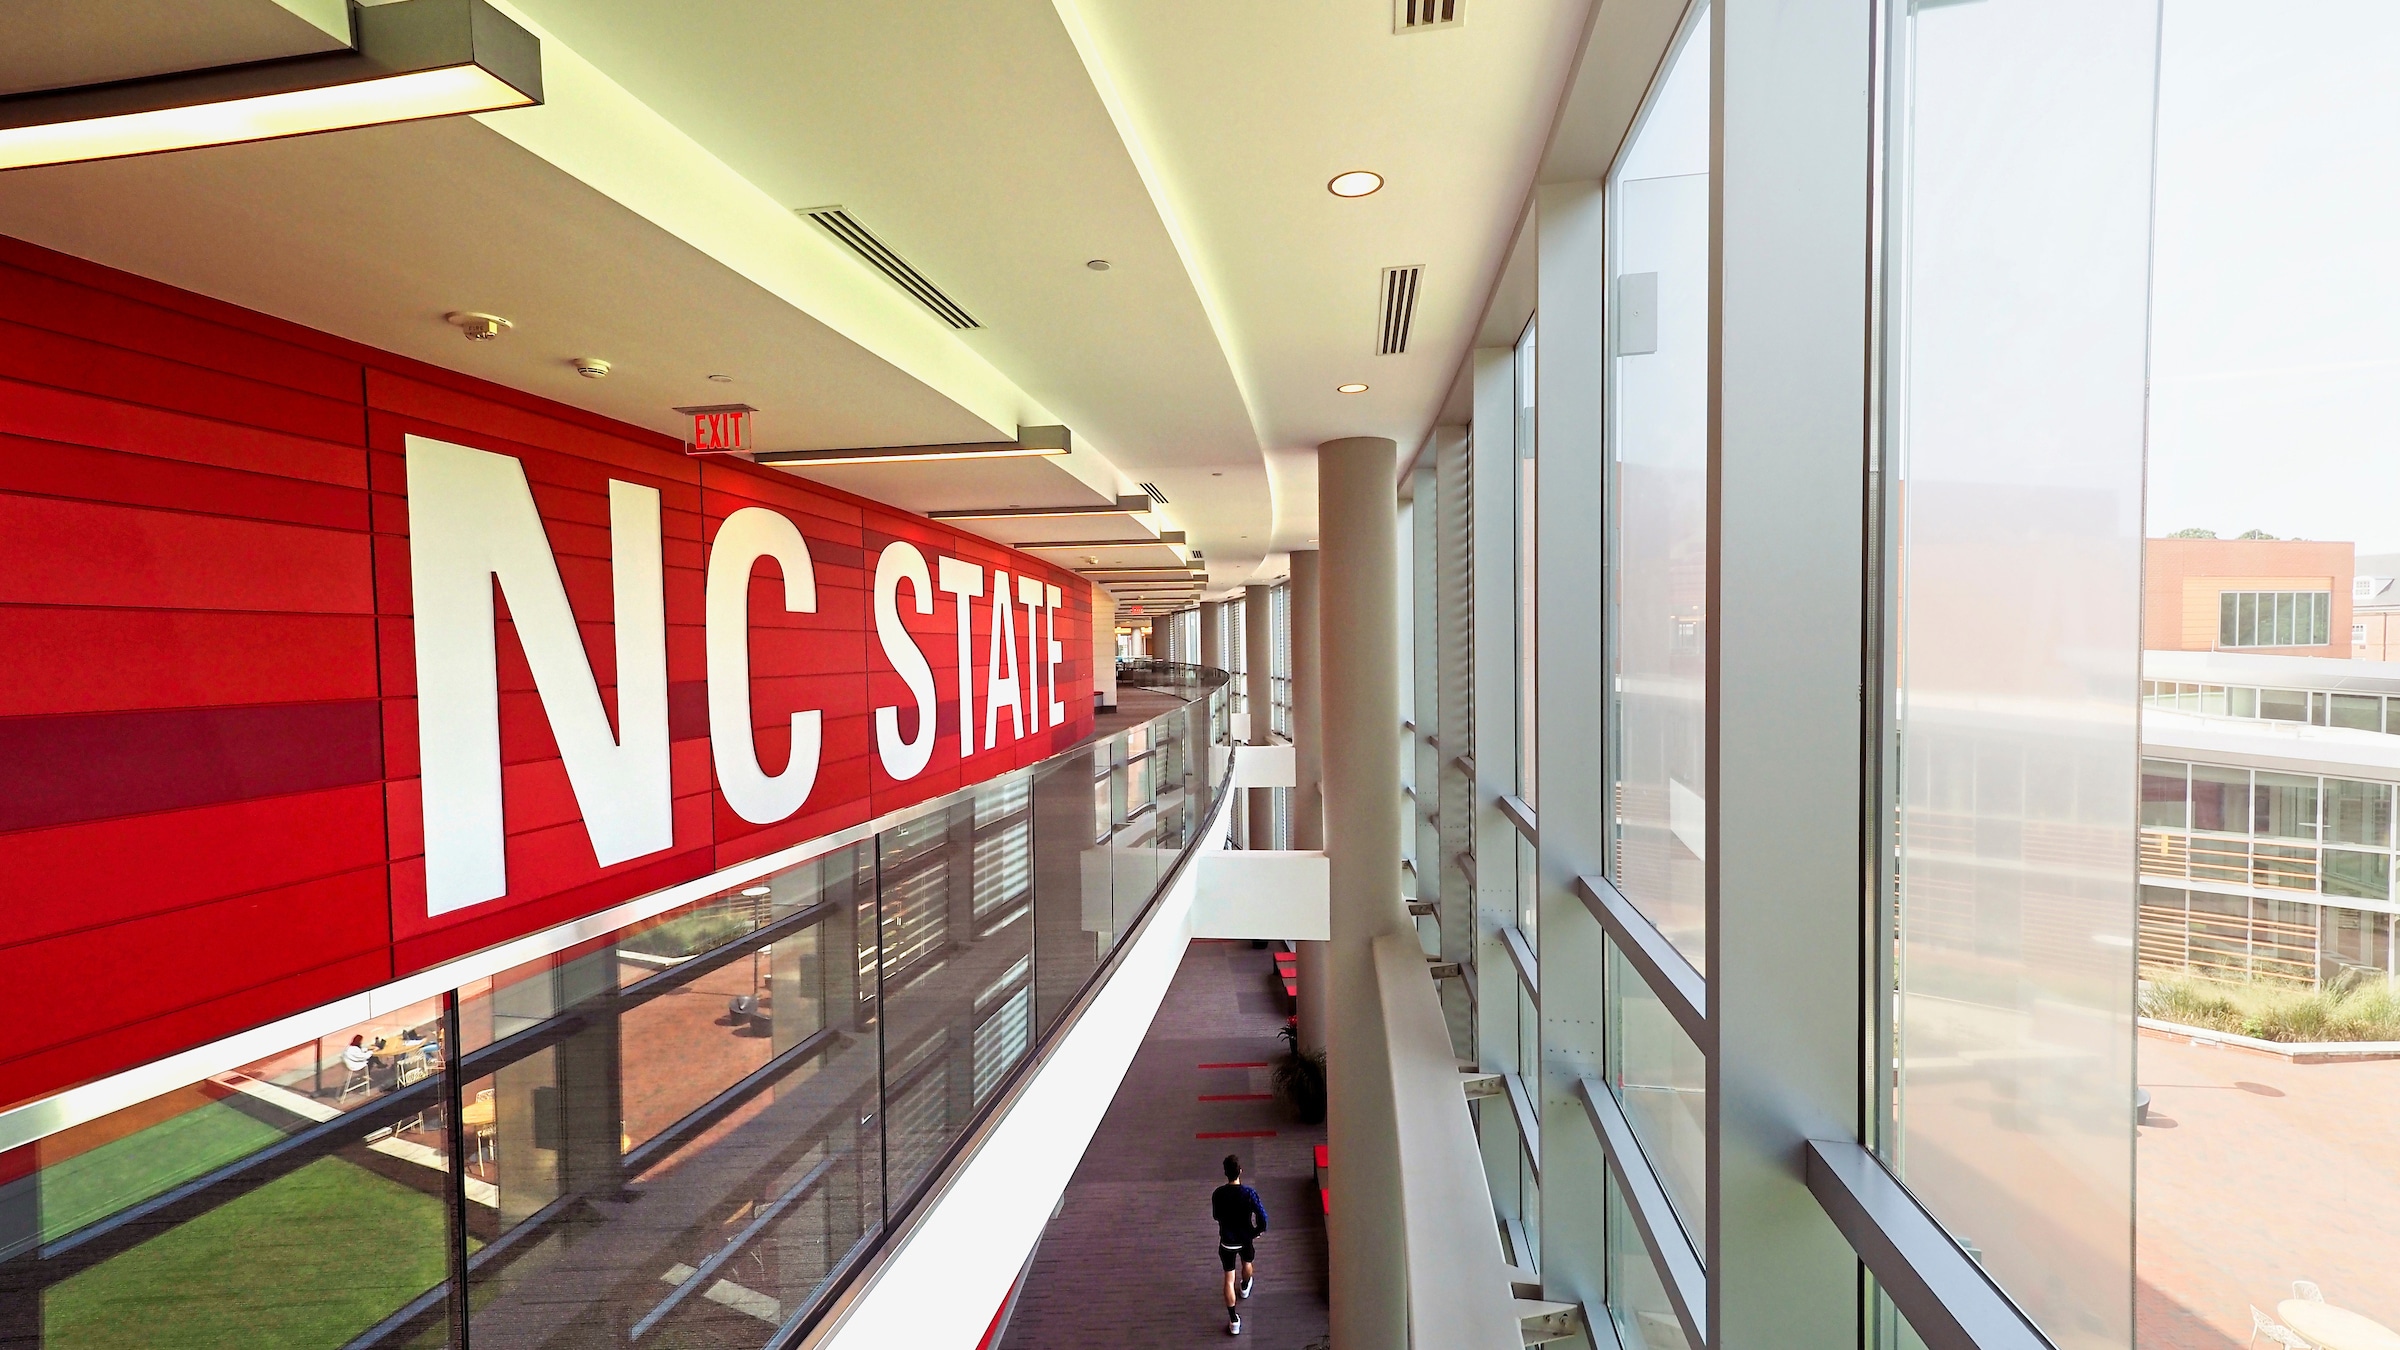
x: 1135, y: 505
x: 406, y: 61
x: 1030, y: 441
x: 1164, y: 537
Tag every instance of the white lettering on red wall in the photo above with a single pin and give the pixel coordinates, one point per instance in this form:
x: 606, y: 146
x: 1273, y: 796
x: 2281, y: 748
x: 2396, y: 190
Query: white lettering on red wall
x: 325, y: 666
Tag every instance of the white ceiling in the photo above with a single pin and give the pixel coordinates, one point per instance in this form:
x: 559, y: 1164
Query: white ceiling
x: 375, y: 234
x: 997, y: 145
x: 47, y: 44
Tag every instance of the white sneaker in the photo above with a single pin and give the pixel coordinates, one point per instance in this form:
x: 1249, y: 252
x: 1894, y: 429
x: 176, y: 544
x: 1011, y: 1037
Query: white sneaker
x: 1234, y: 1327
x: 1244, y: 1290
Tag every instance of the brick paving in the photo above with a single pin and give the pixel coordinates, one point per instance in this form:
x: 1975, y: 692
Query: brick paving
x: 2256, y: 1172
x: 1130, y: 1258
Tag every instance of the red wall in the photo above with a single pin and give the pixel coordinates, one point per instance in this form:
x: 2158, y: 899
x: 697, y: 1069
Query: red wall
x: 208, y: 805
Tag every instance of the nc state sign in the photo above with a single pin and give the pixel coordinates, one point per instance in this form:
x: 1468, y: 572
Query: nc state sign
x: 473, y: 523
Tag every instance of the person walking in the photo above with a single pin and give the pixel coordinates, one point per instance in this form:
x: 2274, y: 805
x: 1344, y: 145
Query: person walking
x: 1240, y: 1219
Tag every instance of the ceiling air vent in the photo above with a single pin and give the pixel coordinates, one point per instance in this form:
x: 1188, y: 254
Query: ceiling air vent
x: 837, y: 222
x: 1155, y: 494
x: 1399, y: 307
x: 1415, y: 16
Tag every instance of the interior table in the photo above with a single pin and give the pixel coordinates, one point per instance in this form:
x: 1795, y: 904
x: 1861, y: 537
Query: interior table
x: 2333, y: 1328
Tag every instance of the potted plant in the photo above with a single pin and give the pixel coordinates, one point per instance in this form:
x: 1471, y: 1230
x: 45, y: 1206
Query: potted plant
x: 1300, y: 1078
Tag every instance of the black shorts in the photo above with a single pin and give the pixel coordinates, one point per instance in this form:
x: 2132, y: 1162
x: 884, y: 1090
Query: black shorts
x: 1230, y: 1255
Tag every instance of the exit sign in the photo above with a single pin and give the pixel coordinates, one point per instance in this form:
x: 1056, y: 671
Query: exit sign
x: 719, y: 429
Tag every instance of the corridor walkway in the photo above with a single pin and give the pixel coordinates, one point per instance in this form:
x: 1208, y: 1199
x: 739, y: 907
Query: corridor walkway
x: 1130, y: 1258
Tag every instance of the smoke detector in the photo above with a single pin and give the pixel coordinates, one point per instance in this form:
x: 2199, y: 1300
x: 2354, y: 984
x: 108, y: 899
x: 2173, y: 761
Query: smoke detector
x: 589, y: 367
x: 478, y: 327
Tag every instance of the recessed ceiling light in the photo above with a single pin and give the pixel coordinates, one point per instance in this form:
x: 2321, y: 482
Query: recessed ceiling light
x: 721, y: 379
x: 1098, y: 264
x: 1356, y: 183
x: 1349, y: 389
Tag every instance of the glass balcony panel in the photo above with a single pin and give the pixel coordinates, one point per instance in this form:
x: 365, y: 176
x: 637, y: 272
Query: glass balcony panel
x: 957, y: 970
x: 1658, y: 632
x: 672, y: 1134
x: 1074, y: 910
x: 340, y: 1235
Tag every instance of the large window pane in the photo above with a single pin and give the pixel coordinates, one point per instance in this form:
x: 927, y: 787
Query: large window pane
x: 1637, y: 1296
x: 1525, y: 560
x: 1661, y: 1081
x: 1658, y: 517
x: 2358, y: 813
x: 2221, y: 798
x: 2284, y: 805
x: 2163, y: 784
x: 2018, y: 346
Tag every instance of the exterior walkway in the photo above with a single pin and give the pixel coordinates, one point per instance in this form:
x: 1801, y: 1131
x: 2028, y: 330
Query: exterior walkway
x: 1130, y: 1258
x: 2256, y: 1172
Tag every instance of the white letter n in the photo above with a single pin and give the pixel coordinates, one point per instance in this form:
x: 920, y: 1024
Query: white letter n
x: 471, y: 519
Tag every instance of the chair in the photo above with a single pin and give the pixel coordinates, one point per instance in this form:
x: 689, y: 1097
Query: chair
x: 358, y: 1062
x: 2307, y: 1289
x: 2275, y: 1331
x: 484, y: 1142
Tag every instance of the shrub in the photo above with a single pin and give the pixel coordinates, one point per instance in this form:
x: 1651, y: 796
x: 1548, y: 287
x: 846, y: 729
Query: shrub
x: 2353, y: 1006
x: 689, y: 935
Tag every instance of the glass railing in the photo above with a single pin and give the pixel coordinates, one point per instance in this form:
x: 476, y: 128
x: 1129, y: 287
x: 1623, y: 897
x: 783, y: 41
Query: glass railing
x: 690, y: 1132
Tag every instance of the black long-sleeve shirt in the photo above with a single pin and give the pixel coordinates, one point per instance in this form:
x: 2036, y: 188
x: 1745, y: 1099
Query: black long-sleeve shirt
x: 1240, y: 1217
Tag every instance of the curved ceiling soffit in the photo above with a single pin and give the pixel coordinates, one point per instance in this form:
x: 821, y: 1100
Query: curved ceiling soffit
x: 1096, y: 66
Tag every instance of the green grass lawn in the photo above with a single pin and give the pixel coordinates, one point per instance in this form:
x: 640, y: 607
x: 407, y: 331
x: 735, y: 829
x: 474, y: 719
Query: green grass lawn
x: 91, y: 1186
x: 309, y: 1260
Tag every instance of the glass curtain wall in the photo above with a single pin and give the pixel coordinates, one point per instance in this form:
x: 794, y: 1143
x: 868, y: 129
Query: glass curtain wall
x: 2016, y: 274
x: 1657, y: 438
x: 2266, y: 908
x: 1658, y: 507
x: 683, y: 1132
x: 1526, y: 567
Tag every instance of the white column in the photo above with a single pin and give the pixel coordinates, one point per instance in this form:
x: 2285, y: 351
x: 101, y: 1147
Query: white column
x: 1357, y: 524
x: 1104, y: 650
x: 1308, y: 754
x: 1212, y: 644
x: 1493, y: 635
x: 1258, y: 692
x: 1788, y: 455
x: 1571, y: 709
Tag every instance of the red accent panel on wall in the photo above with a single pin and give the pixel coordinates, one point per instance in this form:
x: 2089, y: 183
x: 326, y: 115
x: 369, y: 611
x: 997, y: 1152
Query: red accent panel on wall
x: 213, y: 814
